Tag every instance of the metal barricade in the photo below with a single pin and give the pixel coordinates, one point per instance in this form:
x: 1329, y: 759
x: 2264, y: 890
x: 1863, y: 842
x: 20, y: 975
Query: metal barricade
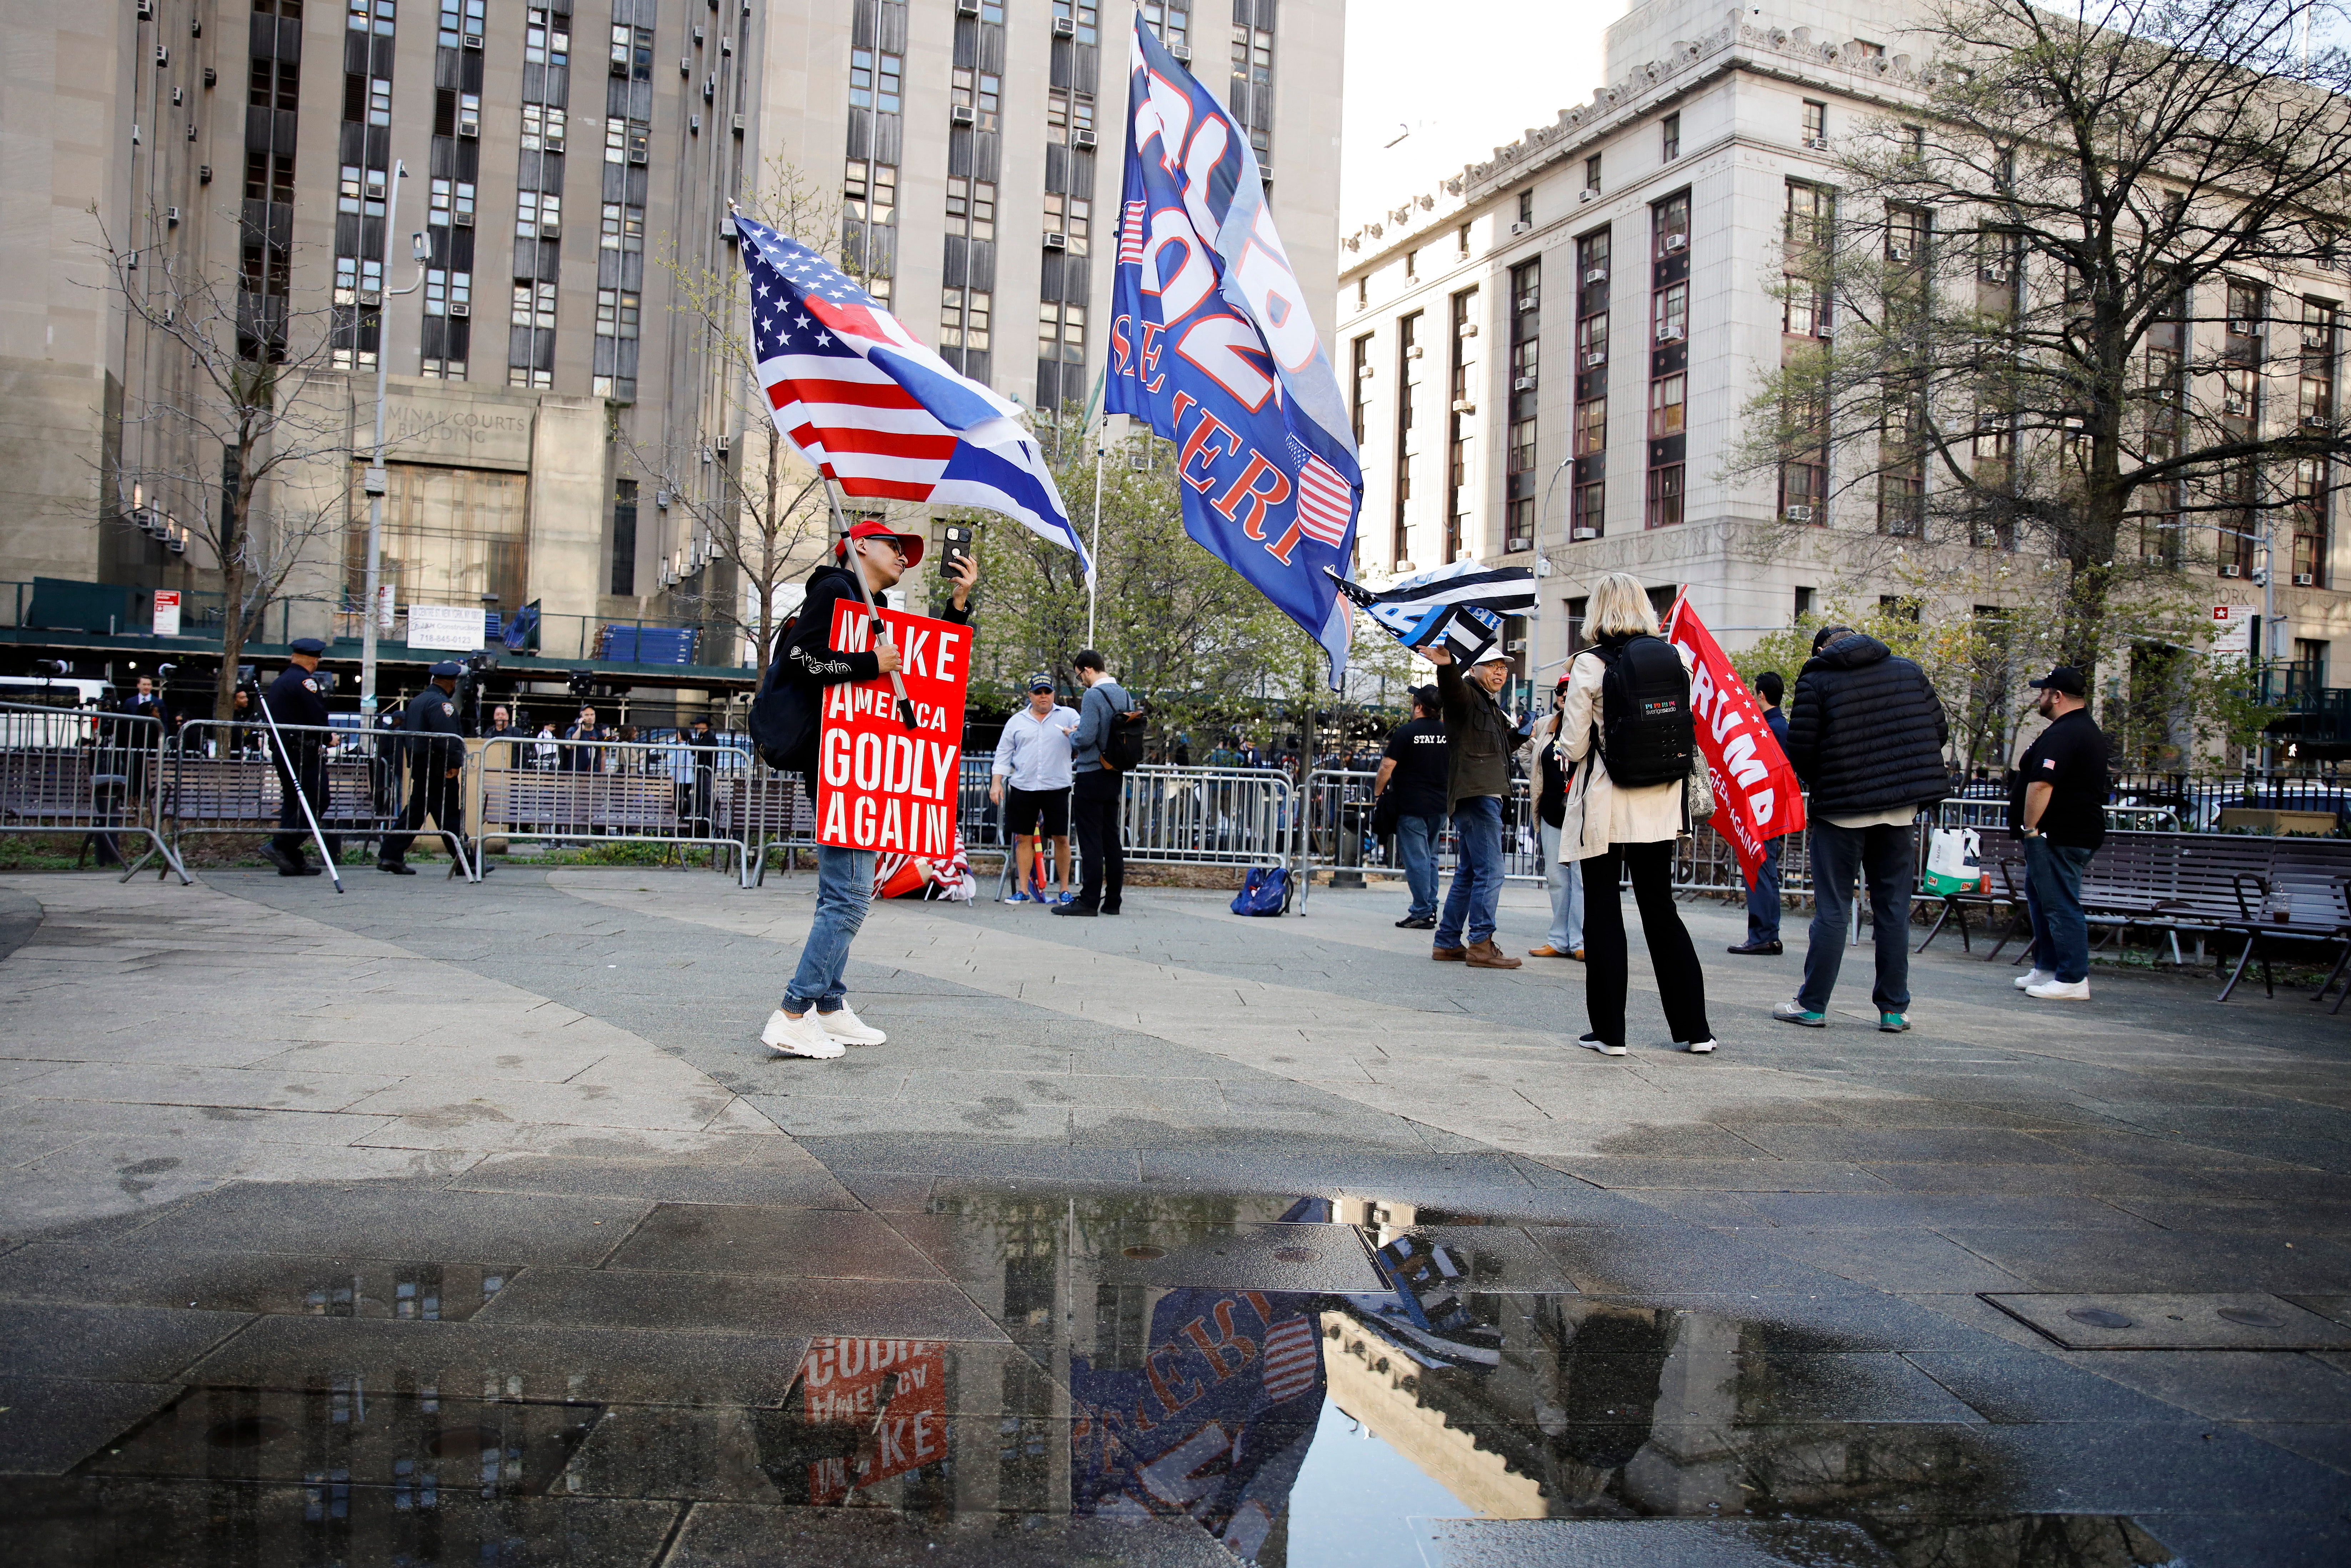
x: 1338, y: 832
x: 221, y: 777
x: 66, y: 771
x: 615, y: 792
x: 1209, y: 816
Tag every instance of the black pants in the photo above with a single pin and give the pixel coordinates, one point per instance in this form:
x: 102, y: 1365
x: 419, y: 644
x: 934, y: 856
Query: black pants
x: 1680, y: 982
x: 308, y: 773
x: 1094, y: 816
x: 430, y: 790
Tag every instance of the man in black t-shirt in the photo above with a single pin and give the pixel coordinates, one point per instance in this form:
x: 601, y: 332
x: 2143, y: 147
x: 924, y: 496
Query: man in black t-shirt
x: 1416, y: 765
x: 2057, y: 809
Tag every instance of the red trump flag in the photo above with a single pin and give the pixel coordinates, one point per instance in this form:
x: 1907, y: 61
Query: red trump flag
x: 880, y: 787
x: 1757, y: 797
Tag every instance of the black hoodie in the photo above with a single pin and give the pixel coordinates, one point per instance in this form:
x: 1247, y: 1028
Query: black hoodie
x: 1865, y: 731
x: 785, y: 715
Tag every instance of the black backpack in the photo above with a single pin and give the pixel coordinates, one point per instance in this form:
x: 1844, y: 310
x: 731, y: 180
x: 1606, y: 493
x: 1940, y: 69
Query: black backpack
x: 1123, y: 747
x: 1647, y: 734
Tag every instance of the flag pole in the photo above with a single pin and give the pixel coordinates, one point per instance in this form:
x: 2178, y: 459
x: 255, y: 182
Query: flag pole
x: 865, y: 593
x: 1093, y: 578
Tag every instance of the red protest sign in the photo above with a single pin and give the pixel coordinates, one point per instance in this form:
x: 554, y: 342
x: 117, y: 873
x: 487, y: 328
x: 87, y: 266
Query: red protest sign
x: 1756, y: 793
x: 880, y: 786
x: 892, y: 1390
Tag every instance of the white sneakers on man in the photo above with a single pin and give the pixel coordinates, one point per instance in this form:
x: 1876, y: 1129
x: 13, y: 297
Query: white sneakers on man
x: 802, y: 1036
x: 849, y: 1029
x: 2038, y: 978
x: 2057, y: 991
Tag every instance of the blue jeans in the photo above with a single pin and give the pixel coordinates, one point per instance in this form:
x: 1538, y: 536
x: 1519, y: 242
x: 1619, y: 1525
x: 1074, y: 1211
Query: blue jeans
x: 844, y: 891
x: 1764, y: 898
x: 2061, y: 937
x: 1417, y: 841
x: 1565, y: 884
x: 1886, y: 857
x: 1476, y: 887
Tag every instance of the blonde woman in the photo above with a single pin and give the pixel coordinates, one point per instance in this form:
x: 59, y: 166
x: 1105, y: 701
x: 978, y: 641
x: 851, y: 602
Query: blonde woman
x: 1615, y: 831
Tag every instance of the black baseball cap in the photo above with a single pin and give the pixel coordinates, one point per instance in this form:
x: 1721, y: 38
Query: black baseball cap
x: 2064, y: 678
x: 1041, y: 682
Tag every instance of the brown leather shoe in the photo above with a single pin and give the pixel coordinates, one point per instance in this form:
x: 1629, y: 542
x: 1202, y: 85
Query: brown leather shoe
x: 1450, y: 954
x: 1548, y: 951
x: 1486, y: 955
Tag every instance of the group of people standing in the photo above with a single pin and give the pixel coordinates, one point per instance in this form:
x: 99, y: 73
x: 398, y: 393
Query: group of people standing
x: 1050, y: 773
x: 1868, y: 736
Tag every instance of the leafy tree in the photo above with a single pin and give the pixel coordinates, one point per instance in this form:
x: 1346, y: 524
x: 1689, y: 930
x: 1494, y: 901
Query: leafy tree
x: 2045, y: 294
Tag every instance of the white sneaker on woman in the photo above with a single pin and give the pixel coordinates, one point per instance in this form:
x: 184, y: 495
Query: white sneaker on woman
x: 1594, y: 1042
x: 2058, y: 991
x: 802, y: 1036
x: 849, y: 1028
x: 2037, y: 978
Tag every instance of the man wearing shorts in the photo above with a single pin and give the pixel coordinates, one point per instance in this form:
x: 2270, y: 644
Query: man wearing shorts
x: 1031, y: 781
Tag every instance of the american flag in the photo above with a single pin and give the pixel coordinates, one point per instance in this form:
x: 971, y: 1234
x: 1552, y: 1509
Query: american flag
x: 1293, y: 1358
x: 1326, y: 502
x: 1130, y: 232
x: 876, y: 411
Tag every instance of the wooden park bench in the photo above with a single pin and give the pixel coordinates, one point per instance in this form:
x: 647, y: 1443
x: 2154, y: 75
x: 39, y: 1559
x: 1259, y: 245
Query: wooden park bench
x: 528, y: 803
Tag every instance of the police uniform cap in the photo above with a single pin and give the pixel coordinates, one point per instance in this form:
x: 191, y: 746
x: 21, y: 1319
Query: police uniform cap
x: 310, y: 645
x: 447, y: 667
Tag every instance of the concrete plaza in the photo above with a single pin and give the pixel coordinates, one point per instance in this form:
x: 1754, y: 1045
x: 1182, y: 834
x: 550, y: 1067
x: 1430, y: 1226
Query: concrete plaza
x: 437, y: 1223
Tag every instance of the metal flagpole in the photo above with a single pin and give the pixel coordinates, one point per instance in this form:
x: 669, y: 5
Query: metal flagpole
x: 294, y: 778
x: 865, y: 593
x: 1093, y: 578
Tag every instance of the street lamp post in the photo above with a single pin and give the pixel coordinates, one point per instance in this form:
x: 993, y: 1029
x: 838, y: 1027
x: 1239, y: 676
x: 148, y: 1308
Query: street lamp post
x: 373, y: 480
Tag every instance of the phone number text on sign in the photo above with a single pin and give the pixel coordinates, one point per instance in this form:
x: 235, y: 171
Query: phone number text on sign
x: 880, y: 786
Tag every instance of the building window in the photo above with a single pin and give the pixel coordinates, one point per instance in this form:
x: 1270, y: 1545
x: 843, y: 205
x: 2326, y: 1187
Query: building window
x: 1067, y: 113
x: 1526, y: 343
x: 624, y: 538
x: 444, y: 290
x: 1670, y: 132
x: 1358, y: 389
x: 1170, y: 21
x: 979, y: 92
x: 621, y: 228
x: 1671, y: 223
x: 545, y: 42
x: 1461, y: 243
x: 2248, y: 306
x: 461, y: 23
x: 1527, y: 208
x: 542, y: 128
x: 1587, y: 508
x: 1083, y: 15
x: 1410, y: 265
x: 1592, y: 425
x: 1518, y: 526
x: 1665, y: 394
x: 1408, y: 397
x: 1460, y: 495
x: 874, y: 80
x: 1592, y: 173
x: 1670, y: 307
x: 1906, y: 235
x: 1071, y: 217
x: 1816, y: 123
x: 1811, y: 218
x: 617, y: 312
x: 1664, y: 497
x: 539, y: 215
x: 973, y: 201
x: 964, y: 319
x: 1362, y: 292
x: 534, y: 305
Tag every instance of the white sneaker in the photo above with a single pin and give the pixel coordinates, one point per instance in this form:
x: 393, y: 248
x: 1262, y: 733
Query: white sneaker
x: 1699, y: 1047
x: 802, y: 1036
x: 849, y: 1029
x: 2057, y: 991
x: 1594, y: 1042
x: 2037, y: 978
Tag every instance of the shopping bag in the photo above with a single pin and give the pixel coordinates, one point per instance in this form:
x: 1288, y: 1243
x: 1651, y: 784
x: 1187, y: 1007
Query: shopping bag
x: 1954, y: 862
x: 1265, y: 891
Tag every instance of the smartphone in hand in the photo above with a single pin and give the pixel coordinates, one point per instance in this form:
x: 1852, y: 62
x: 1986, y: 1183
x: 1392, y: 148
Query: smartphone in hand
x: 957, y: 537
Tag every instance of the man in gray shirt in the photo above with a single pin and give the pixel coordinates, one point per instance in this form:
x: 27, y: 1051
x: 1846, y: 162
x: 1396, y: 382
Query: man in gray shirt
x: 1095, y: 793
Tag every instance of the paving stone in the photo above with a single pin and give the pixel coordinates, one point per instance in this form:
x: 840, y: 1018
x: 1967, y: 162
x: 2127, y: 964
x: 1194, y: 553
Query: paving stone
x: 737, y: 1303
x: 2121, y: 1321
x: 111, y: 1344
x: 797, y: 1243
x: 48, y: 1425
x: 458, y: 1226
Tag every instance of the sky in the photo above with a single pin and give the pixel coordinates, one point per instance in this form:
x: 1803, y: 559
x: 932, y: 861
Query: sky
x: 1452, y: 93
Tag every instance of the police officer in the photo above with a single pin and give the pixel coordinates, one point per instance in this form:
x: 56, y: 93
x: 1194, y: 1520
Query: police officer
x: 295, y: 699
x: 436, y: 756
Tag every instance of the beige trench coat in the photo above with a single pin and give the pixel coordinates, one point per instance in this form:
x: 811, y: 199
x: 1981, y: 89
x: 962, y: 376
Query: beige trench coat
x: 1599, y: 813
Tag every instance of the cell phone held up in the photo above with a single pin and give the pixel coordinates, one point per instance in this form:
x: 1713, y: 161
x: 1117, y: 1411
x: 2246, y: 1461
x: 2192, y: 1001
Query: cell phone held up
x: 956, y: 540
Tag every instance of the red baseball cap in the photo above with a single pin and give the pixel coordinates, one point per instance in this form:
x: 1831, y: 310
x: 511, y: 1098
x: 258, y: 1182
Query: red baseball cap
x: 910, y: 545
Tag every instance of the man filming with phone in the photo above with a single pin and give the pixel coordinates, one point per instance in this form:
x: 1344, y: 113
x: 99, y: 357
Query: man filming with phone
x: 814, y: 1019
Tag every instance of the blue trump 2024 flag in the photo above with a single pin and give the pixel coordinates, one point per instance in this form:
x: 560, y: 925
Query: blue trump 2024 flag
x: 1211, y: 343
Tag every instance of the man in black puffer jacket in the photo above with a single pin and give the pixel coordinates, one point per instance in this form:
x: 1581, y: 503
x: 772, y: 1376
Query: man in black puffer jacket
x: 1865, y: 733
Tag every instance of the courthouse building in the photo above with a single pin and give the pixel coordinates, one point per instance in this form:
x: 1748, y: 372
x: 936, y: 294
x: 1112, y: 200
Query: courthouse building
x: 562, y: 158
x: 1551, y: 351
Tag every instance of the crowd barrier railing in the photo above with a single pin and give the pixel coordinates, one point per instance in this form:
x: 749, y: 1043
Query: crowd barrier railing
x: 66, y: 771
x: 1209, y: 816
x: 616, y: 791
x: 1338, y: 836
x: 222, y: 777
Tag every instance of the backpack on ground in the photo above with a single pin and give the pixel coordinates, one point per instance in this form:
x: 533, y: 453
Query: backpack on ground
x: 1123, y: 747
x: 1265, y: 891
x: 1646, y: 733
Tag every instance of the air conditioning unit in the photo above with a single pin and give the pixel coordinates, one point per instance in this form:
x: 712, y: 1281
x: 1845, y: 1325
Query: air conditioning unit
x: 1897, y: 252
x: 177, y: 98
x: 710, y: 89
x: 1265, y: 173
x: 1677, y: 242
x: 1181, y: 51
x: 172, y: 217
x: 1523, y: 383
x: 550, y: 229
x: 1585, y: 534
x: 370, y: 296
x: 698, y: 37
x: 1416, y: 351
x: 738, y: 125
x: 1362, y: 373
x: 1597, y: 357
x: 1056, y: 242
x: 967, y: 7
x: 2313, y: 422
x: 146, y: 10
x: 639, y: 155
x: 460, y: 309
x: 463, y: 219
x: 1800, y: 514
x: 1996, y: 275
x: 1467, y: 329
x: 729, y: 232
x: 191, y: 133
x: 694, y: 125
x: 2305, y: 580
x: 203, y: 173
x: 1463, y: 405
x: 162, y: 57
x: 212, y: 76
x: 474, y: 41
x: 1082, y: 139
x: 1521, y: 228
x: 1526, y: 301
x: 178, y: 543
x: 2240, y: 329
x: 959, y: 115
x: 1589, y: 193
x: 471, y: 130
x: 1669, y: 333
x: 1063, y: 27
x: 1139, y: 461
x: 1816, y: 143
x: 619, y: 60
x: 1595, y: 275
x: 2231, y: 570
x: 684, y: 66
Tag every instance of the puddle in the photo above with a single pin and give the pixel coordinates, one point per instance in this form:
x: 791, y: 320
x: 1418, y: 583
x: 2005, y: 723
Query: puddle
x: 1180, y: 1379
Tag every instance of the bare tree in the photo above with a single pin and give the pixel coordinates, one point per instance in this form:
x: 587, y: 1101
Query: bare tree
x: 2043, y: 305
x: 252, y: 443
x: 752, y: 506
